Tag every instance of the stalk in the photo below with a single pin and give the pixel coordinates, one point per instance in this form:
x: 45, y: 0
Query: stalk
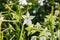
x: 1, y: 34
x: 52, y: 33
x: 22, y: 36
x: 58, y: 38
x: 51, y: 24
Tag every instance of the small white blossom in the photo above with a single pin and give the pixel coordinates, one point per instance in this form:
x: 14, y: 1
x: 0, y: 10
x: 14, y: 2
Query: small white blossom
x: 46, y: 33
x: 41, y: 2
x: 23, y: 2
x: 58, y: 33
x: 28, y: 18
x: 42, y: 38
x: 45, y: 29
x: 10, y: 2
x: 45, y: 19
x: 46, y: 0
x: 34, y: 11
x: 56, y: 12
x: 34, y: 38
x: 38, y: 25
x: 30, y: 3
x: 1, y: 19
x: 40, y: 15
x: 55, y: 35
x: 56, y: 5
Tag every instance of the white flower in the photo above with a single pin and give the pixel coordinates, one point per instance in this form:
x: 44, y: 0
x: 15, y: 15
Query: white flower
x: 1, y: 19
x: 42, y: 38
x: 58, y: 33
x: 34, y: 11
x: 23, y: 2
x: 46, y: 0
x: 28, y: 18
x: 55, y: 35
x: 34, y: 38
x: 45, y: 19
x: 10, y: 2
x: 41, y: 2
x: 45, y: 29
x: 38, y: 26
x: 40, y: 15
x: 56, y: 12
x: 56, y: 5
x: 30, y: 3
x: 46, y: 33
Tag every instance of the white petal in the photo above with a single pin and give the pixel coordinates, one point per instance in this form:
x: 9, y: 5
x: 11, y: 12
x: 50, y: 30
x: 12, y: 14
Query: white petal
x: 34, y: 11
x: 31, y: 17
x: 24, y: 16
x: 42, y: 38
x: 48, y: 33
x: 45, y: 29
x: 10, y: 2
x: 33, y: 38
x: 27, y: 14
x: 30, y: 3
x: 25, y: 21
x: 29, y: 22
x: 23, y: 2
x: 41, y: 4
x: 1, y: 18
x: 40, y: 1
x: 45, y: 19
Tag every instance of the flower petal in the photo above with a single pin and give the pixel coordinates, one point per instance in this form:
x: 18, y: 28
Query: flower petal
x: 31, y: 17
x: 27, y: 14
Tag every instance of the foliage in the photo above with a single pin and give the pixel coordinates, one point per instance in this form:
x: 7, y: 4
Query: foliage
x: 29, y: 20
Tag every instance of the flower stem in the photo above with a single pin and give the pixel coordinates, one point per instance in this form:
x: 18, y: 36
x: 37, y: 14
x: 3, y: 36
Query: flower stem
x: 22, y: 34
x: 52, y: 34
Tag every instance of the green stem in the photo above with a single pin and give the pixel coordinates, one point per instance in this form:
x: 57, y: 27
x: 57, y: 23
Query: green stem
x: 52, y: 34
x: 22, y: 33
x: 58, y: 38
x: 52, y: 30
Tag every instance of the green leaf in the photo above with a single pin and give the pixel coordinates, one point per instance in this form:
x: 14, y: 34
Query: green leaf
x: 51, y: 1
x: 30, y: 30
